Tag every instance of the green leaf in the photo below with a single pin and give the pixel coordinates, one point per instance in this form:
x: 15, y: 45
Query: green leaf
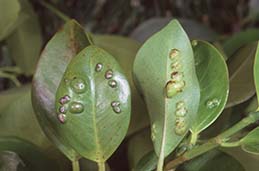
x: 212, y: 161
x: 93, y: 104
x: 212, y: 74
x: 240, y: 39
x: 54, y: 59
x: 124, y: 50
x: 15, y: 114
x: 250, y: 143
x: 256, y: 72
x: 9, y: 13
x: 241, y: 75
x: 252, y: 106
x: 25, y: 43
x: 172, y: 102
x: 148, y: 162
x: 138, y: 146
x: 32, y: 158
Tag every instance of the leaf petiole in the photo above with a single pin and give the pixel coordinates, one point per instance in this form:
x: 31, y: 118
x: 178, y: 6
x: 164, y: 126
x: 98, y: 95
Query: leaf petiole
x: 75, y: 165
x: 101, y: 166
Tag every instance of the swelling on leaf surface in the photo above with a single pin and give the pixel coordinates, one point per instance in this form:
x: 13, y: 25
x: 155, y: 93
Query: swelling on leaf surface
x: 93, y: 104
x: 164, y: 71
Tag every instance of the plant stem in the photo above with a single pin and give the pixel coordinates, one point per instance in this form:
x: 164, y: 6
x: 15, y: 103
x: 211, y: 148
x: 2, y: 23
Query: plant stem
x: 75, y: 165
x: 194, y: 138
x: 230, y: 144
x: 214, y: 142
x: 11, y: 69
x: 101, y: 166
x: 55, y: 10
x: 11, y: 77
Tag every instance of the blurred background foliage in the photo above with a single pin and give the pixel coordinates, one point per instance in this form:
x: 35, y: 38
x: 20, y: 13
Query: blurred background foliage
x: 228, y: 24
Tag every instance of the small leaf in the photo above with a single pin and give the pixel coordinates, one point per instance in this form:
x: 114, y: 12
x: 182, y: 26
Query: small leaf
x: 240, y: 39
x: 256, y: 72
x: 212, y: 74
x: 250, y: 143
x: 93, y: 104
x: 32, y: 158
x: 241, y: 75
x: 148, y: 162
x: 54, y: 59
x: 124, y: 50
x: 212, y: 161
x: 138, y: 146
x: 165, y: 73
x: 25, y: 43
x: 194, y: 29
x: 9, y: 13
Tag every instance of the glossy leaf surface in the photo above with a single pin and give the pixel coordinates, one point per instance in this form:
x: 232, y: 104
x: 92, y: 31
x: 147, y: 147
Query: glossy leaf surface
x: 256, y: 72
x: 54, y: 59
x: 25, y: 36
x: 31, y: 157
x: 165, y: 73
x: 212, y: 161
x: 124, y: 50
x: 93, y: 104
x: 212, y: 74
x: 241, y: 75
x: 9, y: 13
x: 250, y: 142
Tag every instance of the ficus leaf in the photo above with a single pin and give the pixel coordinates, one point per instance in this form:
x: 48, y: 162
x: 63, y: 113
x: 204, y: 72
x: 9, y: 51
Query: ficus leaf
x: 240, y: 39
x: 212, y: 74
x: 31, y: 156
x: 241, y: 75
x: 9, y: 13
x: 139, y: 145
x: 165, y: 73
x: 256, y: 72
x: 93, y: 104
x: 214, y: 160
x: 124, y: 50
x: 250, y: 143
x: 20, y: 42
x: 147, y: 162
x: 54, y: 59
x: 15, y: 114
